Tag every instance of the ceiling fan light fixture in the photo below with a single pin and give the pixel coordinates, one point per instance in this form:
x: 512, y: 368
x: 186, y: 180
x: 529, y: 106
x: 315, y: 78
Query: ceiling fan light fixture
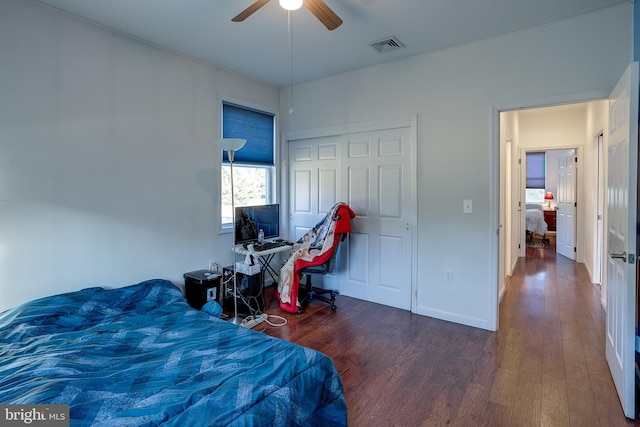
x: 291, y: 4
x: 317, y: 7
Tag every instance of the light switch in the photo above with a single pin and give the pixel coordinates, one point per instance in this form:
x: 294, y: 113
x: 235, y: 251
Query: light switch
x: 467, y: 207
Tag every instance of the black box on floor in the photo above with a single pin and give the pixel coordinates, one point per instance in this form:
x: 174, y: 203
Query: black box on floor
x: 201, y: 286
x: 250, y: 291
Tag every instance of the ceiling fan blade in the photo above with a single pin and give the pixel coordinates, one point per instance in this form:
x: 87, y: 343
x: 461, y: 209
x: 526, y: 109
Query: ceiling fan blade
x: 249, y: 11
x: 324, y: 13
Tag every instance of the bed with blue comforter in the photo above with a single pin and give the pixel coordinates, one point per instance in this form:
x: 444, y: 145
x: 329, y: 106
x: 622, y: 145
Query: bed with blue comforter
x: 141, y: 356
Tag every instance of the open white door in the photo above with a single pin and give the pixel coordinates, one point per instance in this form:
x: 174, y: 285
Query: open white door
x: 566, y: 213
x: 621, y: 236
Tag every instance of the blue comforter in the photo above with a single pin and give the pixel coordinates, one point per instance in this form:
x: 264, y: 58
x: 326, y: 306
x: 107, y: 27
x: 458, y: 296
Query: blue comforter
x: 140, y: 355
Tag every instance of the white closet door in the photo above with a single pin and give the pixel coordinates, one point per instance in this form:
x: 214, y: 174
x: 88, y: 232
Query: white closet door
x: 373, y: 172
x: 314, y: 175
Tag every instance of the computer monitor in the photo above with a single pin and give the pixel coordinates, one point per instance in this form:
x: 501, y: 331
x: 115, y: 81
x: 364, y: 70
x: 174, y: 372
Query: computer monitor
x: 250, y: 219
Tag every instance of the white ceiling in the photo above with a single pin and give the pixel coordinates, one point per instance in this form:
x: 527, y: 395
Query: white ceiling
x: 259, y: 46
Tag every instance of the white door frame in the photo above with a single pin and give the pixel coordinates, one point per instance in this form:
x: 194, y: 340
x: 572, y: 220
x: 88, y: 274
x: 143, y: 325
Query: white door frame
x: 410, y: 121
x: 522, y: 199
x: 579, y: 186
x: 495, y: 198
x: 599, y: 258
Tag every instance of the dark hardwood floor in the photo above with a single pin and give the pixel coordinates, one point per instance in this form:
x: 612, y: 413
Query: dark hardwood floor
x: 544, y: 367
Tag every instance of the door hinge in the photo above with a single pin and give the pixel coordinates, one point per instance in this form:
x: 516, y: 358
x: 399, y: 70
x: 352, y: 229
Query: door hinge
x: 575, y: 249
x: 575, y: 159
x: 631, y: 258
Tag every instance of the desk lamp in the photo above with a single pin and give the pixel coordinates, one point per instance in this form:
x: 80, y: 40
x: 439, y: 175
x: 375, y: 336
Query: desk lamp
x: 231, y: 145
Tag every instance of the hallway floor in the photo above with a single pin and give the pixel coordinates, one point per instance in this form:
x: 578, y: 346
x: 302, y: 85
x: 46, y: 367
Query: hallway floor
x: 554, y: 367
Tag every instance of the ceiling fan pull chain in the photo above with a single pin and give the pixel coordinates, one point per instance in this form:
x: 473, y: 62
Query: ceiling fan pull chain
x: 290, y: 59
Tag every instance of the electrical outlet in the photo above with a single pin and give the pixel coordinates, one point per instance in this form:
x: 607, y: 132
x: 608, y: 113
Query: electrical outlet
x: 467, y: 207
x: 449, y: 277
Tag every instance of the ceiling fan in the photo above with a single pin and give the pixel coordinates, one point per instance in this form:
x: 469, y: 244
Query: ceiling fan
x: 318, y: 7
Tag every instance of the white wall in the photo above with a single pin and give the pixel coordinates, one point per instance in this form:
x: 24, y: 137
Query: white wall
x: 512, y: 191
x: 553, y: 127
x: 108, y: 171
x: 453, y: 91
x: 509, y: 185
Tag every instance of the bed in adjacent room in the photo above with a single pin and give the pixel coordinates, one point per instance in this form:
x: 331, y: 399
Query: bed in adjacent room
x: 535, y: 223
x: 140, y: 355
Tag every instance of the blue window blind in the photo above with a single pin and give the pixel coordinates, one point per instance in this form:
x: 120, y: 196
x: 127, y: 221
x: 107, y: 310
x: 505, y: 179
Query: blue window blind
x: 535, y: 170
x: 256, y: 127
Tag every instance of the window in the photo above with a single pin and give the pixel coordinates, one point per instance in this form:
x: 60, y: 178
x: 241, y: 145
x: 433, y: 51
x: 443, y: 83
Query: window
x: 536, y: 174
x: 253, y: 164
x: 534, y: 195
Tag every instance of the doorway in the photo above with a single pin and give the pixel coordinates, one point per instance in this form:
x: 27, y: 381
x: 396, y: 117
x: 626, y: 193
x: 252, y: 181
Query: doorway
x: 559, y: 127
x: 616, y: 117
x: 550, y: 207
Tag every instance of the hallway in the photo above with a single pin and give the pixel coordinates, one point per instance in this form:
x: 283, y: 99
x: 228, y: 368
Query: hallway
x: 554, y: 367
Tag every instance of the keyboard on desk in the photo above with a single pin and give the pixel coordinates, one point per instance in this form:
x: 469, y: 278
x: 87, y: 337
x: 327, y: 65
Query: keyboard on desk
x: 270, y: 245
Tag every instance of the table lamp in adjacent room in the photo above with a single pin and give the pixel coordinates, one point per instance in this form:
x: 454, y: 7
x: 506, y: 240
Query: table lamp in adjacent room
x: 231, y: 145
x: 548, y: 197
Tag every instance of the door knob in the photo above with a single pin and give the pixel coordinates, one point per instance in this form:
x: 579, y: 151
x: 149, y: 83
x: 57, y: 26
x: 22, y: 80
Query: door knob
x: 622, y: 256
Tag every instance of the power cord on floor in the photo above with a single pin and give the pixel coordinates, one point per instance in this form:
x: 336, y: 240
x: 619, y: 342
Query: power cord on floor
x: 253, y: 304
x: 283, y: 321
x: 252, y: 321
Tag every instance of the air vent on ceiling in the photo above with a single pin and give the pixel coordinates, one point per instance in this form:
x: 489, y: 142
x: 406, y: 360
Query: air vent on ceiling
x: 387, y: 44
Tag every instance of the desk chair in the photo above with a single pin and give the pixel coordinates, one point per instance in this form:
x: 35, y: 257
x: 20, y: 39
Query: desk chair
x: 313, y: 253
x: 311, y: 292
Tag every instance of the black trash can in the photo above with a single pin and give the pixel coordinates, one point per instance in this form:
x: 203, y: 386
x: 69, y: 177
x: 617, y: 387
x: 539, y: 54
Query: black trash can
x: 202, y: 286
